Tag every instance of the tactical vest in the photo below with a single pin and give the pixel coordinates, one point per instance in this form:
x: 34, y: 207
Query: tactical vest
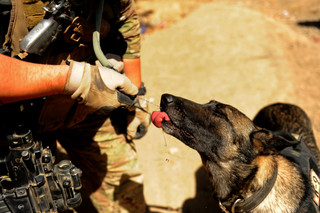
x: 20, y: 17
x: 25, y: 14
x: 16, y: 28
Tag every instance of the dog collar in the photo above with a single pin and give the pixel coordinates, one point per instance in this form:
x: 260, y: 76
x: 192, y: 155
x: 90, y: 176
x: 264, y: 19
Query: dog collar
x: 247, y: 205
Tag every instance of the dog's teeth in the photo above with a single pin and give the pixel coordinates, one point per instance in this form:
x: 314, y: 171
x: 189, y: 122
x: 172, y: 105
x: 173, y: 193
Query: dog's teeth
x: 157, y: 117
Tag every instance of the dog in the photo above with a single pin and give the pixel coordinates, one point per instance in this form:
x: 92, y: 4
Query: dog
x: 259, y: 165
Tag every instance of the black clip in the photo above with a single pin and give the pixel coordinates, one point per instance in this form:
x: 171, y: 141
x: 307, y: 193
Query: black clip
x: 126, y: 99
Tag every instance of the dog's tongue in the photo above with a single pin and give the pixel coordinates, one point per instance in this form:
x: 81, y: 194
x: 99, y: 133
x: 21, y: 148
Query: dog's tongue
x: 157, y: 118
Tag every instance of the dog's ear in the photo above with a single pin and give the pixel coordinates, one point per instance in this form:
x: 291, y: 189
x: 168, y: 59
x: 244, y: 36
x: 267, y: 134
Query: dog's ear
x: 265, y: 142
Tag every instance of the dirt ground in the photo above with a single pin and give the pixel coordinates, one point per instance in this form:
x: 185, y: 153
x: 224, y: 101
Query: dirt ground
x: 245, y: 53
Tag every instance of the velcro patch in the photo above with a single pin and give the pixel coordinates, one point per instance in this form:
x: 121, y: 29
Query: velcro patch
x: 316, y: 186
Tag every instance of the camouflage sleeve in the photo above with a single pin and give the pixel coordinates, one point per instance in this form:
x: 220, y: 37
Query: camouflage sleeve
x: 130, y: 28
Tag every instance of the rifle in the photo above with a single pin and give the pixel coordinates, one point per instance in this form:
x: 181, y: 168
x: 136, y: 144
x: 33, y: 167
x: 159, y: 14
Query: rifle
x: 29, y: 179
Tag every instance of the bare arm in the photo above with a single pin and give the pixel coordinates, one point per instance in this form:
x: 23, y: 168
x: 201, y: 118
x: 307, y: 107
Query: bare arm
x: 21, y: 80
x: 131, y: 32
x: 132, y: 69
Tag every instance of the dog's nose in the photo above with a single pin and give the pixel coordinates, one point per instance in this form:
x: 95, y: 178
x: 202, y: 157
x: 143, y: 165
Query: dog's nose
x: 167, y: 99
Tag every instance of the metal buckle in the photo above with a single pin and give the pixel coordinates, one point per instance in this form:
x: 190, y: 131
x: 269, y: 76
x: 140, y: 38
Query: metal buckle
x: 78, y: 29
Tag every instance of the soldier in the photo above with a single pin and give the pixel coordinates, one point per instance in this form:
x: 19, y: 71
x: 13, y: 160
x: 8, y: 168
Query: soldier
x: 74, y: 98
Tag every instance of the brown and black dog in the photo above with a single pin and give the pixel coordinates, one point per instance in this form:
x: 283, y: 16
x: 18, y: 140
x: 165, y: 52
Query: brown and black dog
x: 254, y: 166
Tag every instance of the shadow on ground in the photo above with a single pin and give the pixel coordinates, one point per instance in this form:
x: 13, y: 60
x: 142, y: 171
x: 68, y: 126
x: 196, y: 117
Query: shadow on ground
x: 315, y: 24
x: 203, y: 202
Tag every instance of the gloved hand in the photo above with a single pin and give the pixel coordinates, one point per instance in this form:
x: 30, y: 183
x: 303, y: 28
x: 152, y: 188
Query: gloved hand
x: 138, y: 120
x: 96, y: 86
x: 115, y: 60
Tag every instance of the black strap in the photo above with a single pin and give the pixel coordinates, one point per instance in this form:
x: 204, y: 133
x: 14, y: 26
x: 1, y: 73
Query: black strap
x: 252, y: 202
x: 142, y: 89
x: 247, y: 205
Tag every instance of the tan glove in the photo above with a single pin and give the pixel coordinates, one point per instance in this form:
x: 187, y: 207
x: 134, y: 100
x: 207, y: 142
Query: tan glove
x: 138, y: 120
x: 115, y: 60
x: 96, y: 86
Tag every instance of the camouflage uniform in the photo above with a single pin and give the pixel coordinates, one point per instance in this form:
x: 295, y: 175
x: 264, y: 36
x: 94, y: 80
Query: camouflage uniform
x: 95, y: 142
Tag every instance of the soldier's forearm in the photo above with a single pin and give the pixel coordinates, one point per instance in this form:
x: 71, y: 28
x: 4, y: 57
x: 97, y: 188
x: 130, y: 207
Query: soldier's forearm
x: 21, y: 80
x: 132, y: 69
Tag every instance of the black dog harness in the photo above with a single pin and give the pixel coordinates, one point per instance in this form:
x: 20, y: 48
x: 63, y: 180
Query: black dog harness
x: 306, y: 161
x: 302, y: 156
